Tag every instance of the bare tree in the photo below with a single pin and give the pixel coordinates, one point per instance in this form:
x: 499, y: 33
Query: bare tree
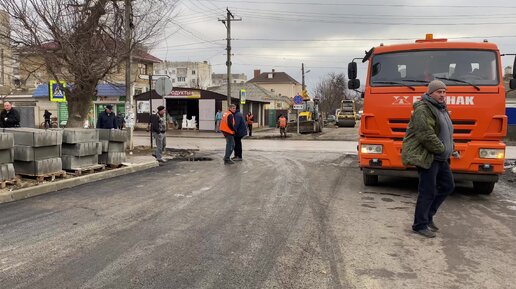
x: 81, y: 41
x: 331, y: 90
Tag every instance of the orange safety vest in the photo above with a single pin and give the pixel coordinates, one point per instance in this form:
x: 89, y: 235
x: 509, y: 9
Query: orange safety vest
x: 224, y: 127
x: 282, y: 122
x: 249, y: 119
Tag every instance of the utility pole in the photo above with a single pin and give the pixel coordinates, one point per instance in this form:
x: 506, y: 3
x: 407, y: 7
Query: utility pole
x: 227, y: 23
x: 129, y: 101
x: 303, y: 77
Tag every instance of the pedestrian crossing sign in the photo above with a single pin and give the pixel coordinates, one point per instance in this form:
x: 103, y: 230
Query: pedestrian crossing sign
x: 56, y: 91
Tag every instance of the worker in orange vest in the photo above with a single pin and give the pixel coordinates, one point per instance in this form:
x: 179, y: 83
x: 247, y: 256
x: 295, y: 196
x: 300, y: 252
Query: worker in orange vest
x: 249, y: 119
x: 282, y: 124
x: 227, y: 127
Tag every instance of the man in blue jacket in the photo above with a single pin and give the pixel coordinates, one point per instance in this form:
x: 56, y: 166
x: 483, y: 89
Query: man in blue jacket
x: 240, y: 132
x: 107, y: 118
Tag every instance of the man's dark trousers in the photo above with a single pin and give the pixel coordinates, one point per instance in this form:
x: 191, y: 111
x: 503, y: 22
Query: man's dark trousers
x: 230, y: 145
x: 435, y: 184
x: 250, y: 129
x: 238, y: 147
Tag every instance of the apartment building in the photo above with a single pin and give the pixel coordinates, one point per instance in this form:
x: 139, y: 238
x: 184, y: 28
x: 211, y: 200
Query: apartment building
x: 186, y: 73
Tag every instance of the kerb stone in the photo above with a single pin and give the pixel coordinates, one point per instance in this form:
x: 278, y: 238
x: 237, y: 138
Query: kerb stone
x: 80, y: 135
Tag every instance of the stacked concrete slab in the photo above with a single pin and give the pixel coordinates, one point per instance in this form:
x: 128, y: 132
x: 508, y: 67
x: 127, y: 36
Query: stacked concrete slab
x: 37, y: 152
x: 81, y: 148
x: 113, y: 146
x: 6, y: 156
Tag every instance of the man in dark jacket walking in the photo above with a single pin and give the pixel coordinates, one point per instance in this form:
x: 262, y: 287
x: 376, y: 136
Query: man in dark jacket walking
x: 107, y: 118
x: 159, y: 128
x: 9, y: 117
x: 240, y: 132
x: 46, y: 116
x: 428, y: 145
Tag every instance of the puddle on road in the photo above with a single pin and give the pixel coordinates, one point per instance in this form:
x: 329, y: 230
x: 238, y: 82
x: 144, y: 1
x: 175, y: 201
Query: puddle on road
x: 368, y: 206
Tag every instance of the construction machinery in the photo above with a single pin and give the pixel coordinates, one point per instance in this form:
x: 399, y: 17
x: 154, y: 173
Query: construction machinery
x: 347, y: 114
x: 310, y: 119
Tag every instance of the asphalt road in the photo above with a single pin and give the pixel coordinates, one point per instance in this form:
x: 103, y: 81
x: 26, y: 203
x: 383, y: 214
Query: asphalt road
x: 276, y: 220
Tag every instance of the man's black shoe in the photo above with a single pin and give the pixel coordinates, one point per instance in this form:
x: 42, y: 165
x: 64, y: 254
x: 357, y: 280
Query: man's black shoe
x: 229, y: 162
x: 433, y: 227
x: 425, y: 232
x: 236, y: 159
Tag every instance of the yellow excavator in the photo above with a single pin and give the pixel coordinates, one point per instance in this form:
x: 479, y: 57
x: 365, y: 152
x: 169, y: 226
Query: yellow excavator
x: 310, y: 120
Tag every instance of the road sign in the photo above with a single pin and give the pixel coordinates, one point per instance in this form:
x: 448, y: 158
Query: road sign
x: 56, y: 91
x: 298, y: 106
x: 163, y: 86
x: 242, y: 96
x: 298, y: 99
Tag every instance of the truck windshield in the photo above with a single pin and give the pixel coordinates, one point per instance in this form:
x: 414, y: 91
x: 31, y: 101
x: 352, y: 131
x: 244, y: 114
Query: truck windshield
x: 420, y: 67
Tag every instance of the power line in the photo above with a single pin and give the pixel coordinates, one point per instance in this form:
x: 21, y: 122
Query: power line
x: 343, y: 15
x: 364, y: 5
x: 364, y: 39
x: 319, y: 20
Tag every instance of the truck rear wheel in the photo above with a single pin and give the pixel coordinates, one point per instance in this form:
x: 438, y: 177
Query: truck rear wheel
x: 484, y: 188
x: 370, y: 180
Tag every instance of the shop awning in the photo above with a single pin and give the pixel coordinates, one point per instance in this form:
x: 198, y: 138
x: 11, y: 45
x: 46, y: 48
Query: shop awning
x: 103, y: 89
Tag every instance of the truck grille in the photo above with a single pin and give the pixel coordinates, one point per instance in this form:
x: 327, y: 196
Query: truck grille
x: 460, y: 127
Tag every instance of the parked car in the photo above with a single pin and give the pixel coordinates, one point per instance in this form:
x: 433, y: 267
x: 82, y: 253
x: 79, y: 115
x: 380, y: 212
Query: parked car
x: 330, y: 119
x: 359, y: 114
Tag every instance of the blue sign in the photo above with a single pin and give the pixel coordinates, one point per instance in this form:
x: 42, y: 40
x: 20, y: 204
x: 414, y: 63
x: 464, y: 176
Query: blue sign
x: 298, y: 99
x: 56, y: 91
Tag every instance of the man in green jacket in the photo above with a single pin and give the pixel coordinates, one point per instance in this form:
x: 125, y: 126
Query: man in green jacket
x: 428, y: 145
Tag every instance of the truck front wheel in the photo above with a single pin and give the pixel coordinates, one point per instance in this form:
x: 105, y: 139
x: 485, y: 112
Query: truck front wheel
x: 484, y: 188
x: 370, y: 180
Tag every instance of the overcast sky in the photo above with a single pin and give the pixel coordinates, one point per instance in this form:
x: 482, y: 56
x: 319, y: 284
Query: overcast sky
x: 325, y: 34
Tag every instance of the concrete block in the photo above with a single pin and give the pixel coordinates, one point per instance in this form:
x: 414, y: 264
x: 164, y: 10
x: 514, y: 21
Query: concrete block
x: 74, y: 162
x: 39, y: 167
x: 6, y: 140
x: 112, y: 158
x: 36, y: 137
x: 6, y: 172
x: 6, y: 156
x: 80, y: 135
x: 99, y: 148
x: 114, y: 135
x: 116, y: 146
x: 511, y: 133
x: 105, y: 146
x: 28, y: 153
x: 80, y: 149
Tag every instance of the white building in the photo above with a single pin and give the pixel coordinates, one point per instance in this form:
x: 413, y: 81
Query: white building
x: 186, y: 73
x: 220, y: 79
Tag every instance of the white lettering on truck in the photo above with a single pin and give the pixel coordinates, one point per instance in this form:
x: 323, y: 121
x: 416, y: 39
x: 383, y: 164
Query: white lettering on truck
x: 450, y: 99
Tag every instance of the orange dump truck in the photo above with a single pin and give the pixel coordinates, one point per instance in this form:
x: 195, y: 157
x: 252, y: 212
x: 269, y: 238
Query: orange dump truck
x: 398, y: 76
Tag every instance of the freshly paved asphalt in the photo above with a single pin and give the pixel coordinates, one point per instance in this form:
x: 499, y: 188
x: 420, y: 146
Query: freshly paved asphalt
x: 276, y: 220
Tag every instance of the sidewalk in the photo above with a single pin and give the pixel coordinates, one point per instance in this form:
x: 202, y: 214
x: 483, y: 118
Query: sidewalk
x: 258, y: 133
x: 329, y: 133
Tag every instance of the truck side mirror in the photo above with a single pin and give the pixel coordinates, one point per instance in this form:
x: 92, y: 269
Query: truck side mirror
x: 354, y: 83
x: 512, y: 83
x: 352, y: 70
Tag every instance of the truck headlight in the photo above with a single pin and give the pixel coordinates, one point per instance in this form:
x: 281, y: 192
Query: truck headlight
x: 491, y: 153
x: 371, y: 149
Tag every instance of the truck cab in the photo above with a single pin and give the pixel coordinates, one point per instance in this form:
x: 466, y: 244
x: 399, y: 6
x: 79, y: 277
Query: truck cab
x: 398, y: 76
